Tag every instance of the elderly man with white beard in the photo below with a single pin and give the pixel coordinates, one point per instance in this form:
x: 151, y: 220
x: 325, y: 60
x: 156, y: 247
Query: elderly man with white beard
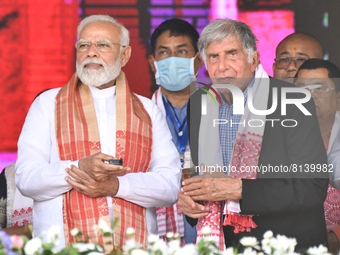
x: 72, y: 134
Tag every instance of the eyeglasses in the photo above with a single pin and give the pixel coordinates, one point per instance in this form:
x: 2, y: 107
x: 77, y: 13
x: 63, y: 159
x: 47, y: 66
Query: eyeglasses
x: 319, y: 90
x: 100, y: 46
x: 182, y: 53
x: 284, y: 62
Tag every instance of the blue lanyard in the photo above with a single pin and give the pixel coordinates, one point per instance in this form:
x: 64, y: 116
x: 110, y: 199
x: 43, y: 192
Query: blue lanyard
x: 181, y: 130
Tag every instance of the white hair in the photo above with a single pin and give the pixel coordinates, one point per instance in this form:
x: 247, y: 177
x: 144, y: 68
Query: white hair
x: 219, y: 29
x: 124, y: 33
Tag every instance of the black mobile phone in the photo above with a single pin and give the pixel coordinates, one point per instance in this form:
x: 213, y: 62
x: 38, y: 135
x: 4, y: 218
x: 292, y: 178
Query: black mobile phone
x: 116, y: 161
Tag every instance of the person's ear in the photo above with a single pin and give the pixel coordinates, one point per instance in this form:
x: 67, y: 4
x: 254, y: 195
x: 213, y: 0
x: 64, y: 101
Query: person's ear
x: 200, y: 60
x: 274, y: 68
x: 198, y: 63
x: 255, y: 62
x: 151, y: 60
x: 125, y: 55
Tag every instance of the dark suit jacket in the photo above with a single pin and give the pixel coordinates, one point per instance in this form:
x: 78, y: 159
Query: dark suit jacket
x: 289, y: 204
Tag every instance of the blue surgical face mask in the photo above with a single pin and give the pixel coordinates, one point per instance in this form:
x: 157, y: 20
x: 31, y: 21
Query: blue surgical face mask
x: 175, y: 73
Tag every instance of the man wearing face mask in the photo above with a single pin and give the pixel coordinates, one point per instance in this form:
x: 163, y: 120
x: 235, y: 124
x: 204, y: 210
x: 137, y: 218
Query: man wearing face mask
x: 175, y: 62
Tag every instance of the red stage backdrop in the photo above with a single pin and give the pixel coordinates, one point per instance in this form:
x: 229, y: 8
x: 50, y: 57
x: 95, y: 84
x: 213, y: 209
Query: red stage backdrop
x: 37, y: 52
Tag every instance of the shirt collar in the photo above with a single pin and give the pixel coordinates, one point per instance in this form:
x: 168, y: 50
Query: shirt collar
x: 103, y: 93
x: 167, y: 102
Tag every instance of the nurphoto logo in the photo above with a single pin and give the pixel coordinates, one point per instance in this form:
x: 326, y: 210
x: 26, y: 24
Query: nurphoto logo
x: 238, y: 104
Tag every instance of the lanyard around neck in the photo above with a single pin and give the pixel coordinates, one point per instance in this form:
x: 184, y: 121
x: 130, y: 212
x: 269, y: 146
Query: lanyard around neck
x: 181, y: 129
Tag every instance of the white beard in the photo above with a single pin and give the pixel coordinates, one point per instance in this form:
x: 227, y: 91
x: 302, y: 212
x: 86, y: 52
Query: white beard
x: 100, y: 76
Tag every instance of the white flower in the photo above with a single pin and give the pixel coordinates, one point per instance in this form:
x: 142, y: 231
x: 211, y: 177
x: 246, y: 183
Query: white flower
x: 189, y: 249
x: 318, y: 250
x: 32, y: 246
x: 266, y: 246
x: 139, y: 252
x: 129, y: 245
x: 160, y: 246
x: 82, y: 247
x: 228, y: 251
x: 95, y: 253
x: 74, y: 231
x: 249, y: 251
x: 206, y: 230
x: 248, y: 241
x: 283, y: 244
x: 153, y: 238
x: 53, y: 234
x: 265, y: 241
x: 291, y: 245
x: 103, y: 226
x: 130, y: 231
x: 99, y: 248
x: 267, y: 249
x: 173, y: 246
x: 170, y: 235
x: 268, y: 234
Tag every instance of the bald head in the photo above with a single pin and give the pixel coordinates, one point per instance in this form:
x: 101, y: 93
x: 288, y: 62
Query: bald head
x: 297, y: 45
x: 308, y: 43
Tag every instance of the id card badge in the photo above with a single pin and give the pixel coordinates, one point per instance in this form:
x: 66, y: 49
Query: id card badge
x: 187, y: 164
x: 187, y: 158
x: 181, y: 157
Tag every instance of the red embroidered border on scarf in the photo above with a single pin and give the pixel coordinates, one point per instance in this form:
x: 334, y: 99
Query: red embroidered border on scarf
x: 213, y: 221
x: 169, y: 220
x: 78, y: 136
x: 245, y: 156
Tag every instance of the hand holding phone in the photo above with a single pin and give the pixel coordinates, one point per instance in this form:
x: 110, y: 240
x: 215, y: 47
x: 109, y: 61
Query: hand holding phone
x: 118, y: 162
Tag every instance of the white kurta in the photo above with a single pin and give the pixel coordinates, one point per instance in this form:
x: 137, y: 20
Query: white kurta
x: 40, y: 174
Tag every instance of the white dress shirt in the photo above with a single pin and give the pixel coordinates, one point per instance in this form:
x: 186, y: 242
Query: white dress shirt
x: 40, y: 174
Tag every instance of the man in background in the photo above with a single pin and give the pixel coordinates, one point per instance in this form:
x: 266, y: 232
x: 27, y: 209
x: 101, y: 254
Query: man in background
x: 322, y: 78
x: 175, y: 62
x: 292, y: 51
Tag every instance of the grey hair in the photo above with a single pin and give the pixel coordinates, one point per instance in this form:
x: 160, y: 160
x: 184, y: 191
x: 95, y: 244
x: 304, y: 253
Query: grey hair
x: 124, y: 33
x: 219, y: 29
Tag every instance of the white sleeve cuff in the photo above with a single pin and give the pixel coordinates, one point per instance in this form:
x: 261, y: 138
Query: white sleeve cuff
x: 75, y: 163
x: 124, y: 187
